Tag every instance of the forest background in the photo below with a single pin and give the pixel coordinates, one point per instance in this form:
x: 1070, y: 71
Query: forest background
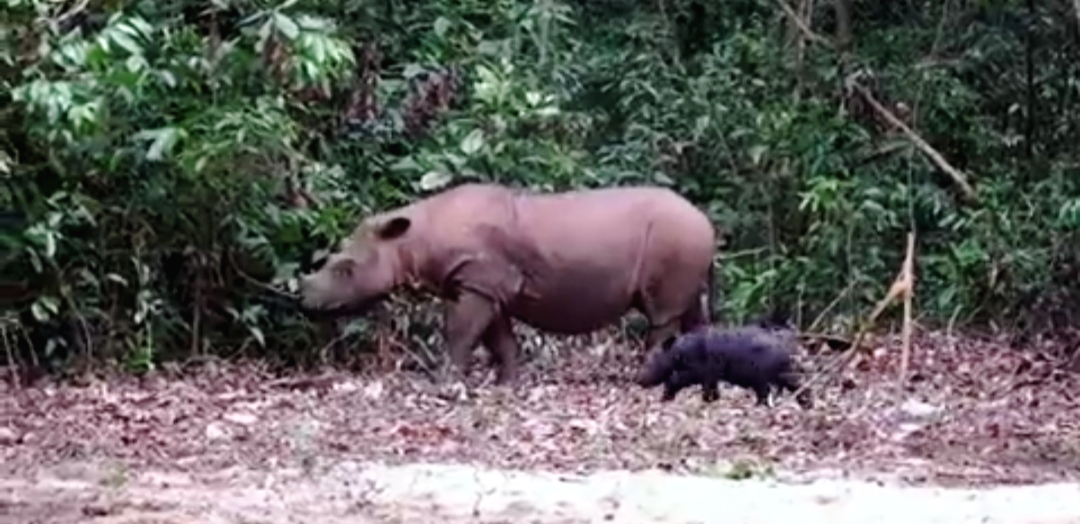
x: 166, y: 168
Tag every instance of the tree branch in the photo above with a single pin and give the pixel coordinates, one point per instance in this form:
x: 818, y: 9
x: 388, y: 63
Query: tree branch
x: 958, y: 178
x: 798, y: 21
x: 1076, y: 6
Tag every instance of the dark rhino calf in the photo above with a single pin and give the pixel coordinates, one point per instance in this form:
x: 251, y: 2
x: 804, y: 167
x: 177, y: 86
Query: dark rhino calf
x: 750, y: 357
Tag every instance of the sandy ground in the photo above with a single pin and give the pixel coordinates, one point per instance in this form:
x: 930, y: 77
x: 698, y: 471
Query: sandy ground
x: 378, y: 493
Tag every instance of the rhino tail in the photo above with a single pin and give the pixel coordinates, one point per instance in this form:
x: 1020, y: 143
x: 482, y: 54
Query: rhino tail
x: 710, y: 293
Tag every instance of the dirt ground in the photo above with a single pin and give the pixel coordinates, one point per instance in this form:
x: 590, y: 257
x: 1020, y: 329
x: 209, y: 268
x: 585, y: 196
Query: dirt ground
x: 983, y: 433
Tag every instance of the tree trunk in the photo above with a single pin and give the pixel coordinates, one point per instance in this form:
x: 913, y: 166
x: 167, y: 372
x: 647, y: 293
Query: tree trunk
x: 1029, y: 124
x: 843, y: 24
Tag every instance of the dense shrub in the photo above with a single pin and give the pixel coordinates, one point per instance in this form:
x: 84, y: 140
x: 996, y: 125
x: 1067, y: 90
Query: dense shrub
x: 167, y: 168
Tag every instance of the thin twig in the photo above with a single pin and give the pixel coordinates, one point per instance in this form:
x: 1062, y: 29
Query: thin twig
x: 825, y: 338
x: 8, y: 343
x: 840, y: 296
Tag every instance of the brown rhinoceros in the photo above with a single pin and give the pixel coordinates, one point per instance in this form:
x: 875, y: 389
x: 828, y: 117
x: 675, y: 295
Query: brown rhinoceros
x: 564, y: 263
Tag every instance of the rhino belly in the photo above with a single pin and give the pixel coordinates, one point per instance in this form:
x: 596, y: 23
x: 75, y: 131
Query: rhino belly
x: 572, y: 307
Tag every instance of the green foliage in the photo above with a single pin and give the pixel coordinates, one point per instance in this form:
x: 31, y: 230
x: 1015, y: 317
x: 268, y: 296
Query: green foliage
x: 174, y: 165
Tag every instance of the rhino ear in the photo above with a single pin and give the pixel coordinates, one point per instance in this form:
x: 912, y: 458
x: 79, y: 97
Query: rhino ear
x: 394, y: 228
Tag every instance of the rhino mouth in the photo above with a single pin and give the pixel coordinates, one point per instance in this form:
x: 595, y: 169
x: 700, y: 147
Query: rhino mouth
x: 649, y: 378
x: 323, y: 311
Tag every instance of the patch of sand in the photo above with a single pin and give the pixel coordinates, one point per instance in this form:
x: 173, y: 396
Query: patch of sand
x: 378, y: 493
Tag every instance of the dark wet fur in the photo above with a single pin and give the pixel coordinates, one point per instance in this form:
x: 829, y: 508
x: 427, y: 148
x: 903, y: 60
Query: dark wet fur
x: 751, y: 357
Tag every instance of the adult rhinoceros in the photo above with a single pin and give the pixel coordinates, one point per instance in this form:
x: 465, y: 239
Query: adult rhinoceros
x: 564, y: 263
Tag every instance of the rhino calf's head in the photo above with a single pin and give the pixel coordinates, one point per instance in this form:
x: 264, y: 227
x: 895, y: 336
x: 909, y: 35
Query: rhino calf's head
x: 659, y: 366
x: 365, y: 269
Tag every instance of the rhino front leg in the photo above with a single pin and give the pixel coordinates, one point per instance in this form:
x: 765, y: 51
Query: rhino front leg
x: 499, y: 339
x: 466, y: 320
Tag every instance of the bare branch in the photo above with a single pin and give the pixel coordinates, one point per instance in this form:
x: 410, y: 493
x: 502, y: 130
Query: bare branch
x: 908, y: 274
x: 1076, y: 6
x: 799, y: 23
x: 917, y: 140
x: 64, y: 17
x: 902, y: 287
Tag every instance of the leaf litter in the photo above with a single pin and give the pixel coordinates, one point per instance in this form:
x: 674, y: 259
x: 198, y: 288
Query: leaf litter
x: 970, y: 416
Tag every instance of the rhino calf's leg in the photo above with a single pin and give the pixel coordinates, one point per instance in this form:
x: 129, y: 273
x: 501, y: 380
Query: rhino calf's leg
x: 710, y: 392
x: 789, y: 381
x: 762, y: 391
x: 466, y: 320
x: 499, y: 339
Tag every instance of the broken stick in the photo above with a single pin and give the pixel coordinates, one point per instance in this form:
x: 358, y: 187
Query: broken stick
x: 902, y: 287
x: 908, y: 272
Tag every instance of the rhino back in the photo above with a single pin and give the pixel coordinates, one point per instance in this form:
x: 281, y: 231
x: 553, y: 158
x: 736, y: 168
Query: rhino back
x: 583, y: 253
x: 590, y: 251
x: 446, y: 226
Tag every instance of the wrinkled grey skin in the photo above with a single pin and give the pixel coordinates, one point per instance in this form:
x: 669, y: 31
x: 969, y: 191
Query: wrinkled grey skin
x: 564, y: 263
x: 749, y: 357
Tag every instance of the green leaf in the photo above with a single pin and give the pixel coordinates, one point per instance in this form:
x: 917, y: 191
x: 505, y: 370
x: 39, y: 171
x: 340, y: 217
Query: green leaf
x: 441, y: 26
x: 125, y: 42
x: 162, y: 141
x: 138, y: 26
x: 473, y: 142
x: 405, y: 164
x: 258, y: 334
x: 113, y: 277
x: 45, y: 308
x: 756, y: 152
x: 433, y: 180
x: 50, y: 244
x: 287, y: 26
x: 411, y: 70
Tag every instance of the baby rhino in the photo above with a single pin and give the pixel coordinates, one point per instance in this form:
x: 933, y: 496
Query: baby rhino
x: 751, y: 357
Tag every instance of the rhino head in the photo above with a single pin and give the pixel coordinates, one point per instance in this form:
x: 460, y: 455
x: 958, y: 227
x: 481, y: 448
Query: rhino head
x: 660, y: 365
x: 365, y: 269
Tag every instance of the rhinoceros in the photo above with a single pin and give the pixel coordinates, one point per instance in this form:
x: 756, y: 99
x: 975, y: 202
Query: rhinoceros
x: 565, y: 263
x: 757, y: 357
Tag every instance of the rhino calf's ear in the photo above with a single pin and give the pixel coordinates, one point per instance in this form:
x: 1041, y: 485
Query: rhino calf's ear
x: 394, y: 228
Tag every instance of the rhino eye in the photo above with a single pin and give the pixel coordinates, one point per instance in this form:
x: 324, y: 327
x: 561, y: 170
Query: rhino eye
x: 343, y: 270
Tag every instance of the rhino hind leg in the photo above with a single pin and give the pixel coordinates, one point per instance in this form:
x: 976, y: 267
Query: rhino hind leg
x: 789, y: 380
x: 467, y: 319
x: 499, y: 340
x: 693, y: 318
x: 665, y: 322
